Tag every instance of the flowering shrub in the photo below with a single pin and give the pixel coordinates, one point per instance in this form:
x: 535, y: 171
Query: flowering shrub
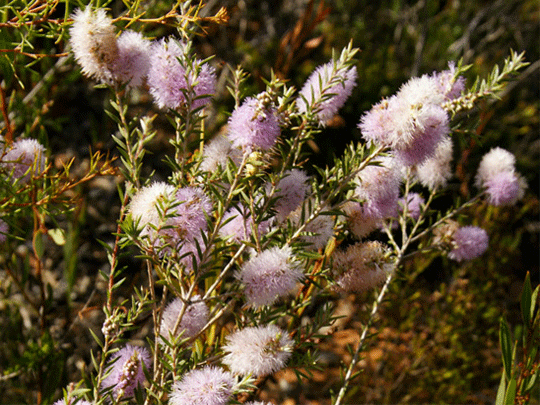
x: 243, y: 237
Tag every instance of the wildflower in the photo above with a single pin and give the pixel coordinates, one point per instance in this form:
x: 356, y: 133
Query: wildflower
x: 497, y: 175
x: 178, y: 216
x: 194, y: 319
x: 448, y: 84
x: 361, y: 266
x: 291, y: 191
x: 505, y: 188
x: 271, y: 274
x: 127, y: 371
x: 254, y: 125
x: 239, y: 224
x: 94, y: 43
x: 412, y: 122
x: 133, y: 61
x: 205, y: 386
x: 25, y: 158
x: 469, y: 243
x: 378, y: 191
x: 218, y: 152
x: 435, y: 171
x: 4, y: 230
x: 413, y: 204
x: 326, y: 90
x: 258, y: 351
x: 173, y: 83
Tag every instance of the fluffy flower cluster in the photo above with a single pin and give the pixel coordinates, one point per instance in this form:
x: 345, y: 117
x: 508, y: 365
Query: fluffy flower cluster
x: 361, y: 266
x: 413, y: 122
x: 326, y: 91
x: 24, y: 159
x: 378, y: 191
x: 194, y: 319
x: 254, y: 125
x: 127, y: 370
x: 258, y: 351
x: 172, y: 217
x: 176, y: 82
x: 412, y: 204
x: 291, y: 191
x: 205, y: 386
x: 469, y: 243
x: 497, y: 175
x: 271, y: 274
x: 435, y: 171
x: 104, y: 57
x: 218, y: 152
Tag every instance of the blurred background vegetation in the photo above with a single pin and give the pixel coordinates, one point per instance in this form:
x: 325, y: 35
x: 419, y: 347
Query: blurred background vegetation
x: 437, y: 337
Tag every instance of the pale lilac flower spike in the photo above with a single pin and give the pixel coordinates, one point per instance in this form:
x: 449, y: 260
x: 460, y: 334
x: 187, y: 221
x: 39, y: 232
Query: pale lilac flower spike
x: 25, y: 156
x: 258, y: 351
x: 206, y: 386
x: 496, y: 174
x: 133, y: 60
x: 271, y: 274
x: 127, y: 372
x: 326, y: 91
x: 254, y: 125
x: 194, y: 319
x: 169, y: 80
x: 470, y: 242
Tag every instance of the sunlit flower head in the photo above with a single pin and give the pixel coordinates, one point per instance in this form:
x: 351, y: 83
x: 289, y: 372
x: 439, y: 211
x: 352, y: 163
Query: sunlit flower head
x: 133, y: 61
x: 448, y: 84
x: 469, y: 242
x: 258, y: 351
x: 193, y: 320
x: 361, y: 266
x: 326, y: 91
x: 205, y: 386
x: 435, y: 171
x: 26, y: 158
x: 269, y: 275
x: 254, y: 125
x: 172, y: 83
x: 292, y: 189
x: 238, y: 224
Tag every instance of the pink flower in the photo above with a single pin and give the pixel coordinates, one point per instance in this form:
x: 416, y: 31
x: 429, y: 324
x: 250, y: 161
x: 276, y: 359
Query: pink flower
x: 127, y: 371
x: 254, y: 125
x: 361, y: 266
x: 271, y: 274
x: 496, y: 174
x: 173, y: 83
x: 413, y: 203
x: 435, y: 171
x: 26, y: 158
x: 258, y: 351
x: 326, y: 91
x: 448, y: 84
x: 133, y: 61
x: 469, y: 243
x: 94, y: 43
x: 291, y: 192
x: 194, y: 319
x: 205, y: 386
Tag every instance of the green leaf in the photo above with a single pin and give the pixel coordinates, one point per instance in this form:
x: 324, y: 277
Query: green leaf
x: 501, y: 392
x: 511, y: 392
x: 526, y: 297
x: 532, y: 381
x: 506, y: 347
